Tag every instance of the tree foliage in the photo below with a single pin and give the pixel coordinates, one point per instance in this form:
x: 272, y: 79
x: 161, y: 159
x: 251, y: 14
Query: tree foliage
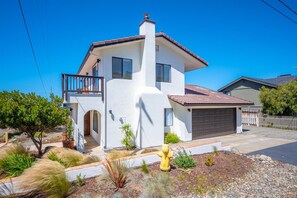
x: 30, y: 113
x: 280, y: 101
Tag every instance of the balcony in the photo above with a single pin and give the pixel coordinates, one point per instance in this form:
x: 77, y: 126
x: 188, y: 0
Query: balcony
x: 81, y: 84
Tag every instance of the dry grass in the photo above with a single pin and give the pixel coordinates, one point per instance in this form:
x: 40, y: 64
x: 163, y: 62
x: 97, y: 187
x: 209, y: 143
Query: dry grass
x: 12, y: 149
x: 149, y: 150
x: 71, y: 157
x: 117, y: 154
x: 47, y: 177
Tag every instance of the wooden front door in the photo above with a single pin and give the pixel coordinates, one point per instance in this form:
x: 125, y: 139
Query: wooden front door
x: 87, y: 124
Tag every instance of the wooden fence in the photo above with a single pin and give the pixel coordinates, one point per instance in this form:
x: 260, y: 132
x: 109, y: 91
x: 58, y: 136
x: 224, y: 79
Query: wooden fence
x: 283, y: 122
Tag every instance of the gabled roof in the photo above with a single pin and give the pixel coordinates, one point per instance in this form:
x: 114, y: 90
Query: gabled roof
x: 270, y: 82
x: 200, y: 96
x: 137, y: 38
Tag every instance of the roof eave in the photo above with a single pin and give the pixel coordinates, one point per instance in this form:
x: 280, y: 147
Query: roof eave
x: 249, y: 79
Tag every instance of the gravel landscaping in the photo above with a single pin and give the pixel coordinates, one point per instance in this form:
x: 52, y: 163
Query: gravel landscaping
x: 233, y: 175
x: 268, y: 179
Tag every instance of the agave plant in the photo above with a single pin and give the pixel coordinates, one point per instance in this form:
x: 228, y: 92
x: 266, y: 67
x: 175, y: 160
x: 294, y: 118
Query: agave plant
x: 117, y: 172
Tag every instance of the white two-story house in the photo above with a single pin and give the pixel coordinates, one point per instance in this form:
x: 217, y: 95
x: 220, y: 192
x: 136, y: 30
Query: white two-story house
x: 140, y: 80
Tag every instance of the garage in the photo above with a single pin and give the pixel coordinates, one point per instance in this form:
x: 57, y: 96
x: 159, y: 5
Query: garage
x: 213, y: 122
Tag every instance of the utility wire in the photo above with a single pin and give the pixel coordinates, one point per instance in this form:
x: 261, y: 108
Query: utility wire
x: 31, y: 45
x: 279, y: 12
x: 288, y: 7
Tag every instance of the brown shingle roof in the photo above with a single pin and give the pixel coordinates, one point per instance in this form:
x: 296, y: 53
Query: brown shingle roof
x: 161, y: 34
x: 199, y: 96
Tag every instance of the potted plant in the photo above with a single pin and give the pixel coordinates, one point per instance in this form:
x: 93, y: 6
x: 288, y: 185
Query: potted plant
x: 69, y: 141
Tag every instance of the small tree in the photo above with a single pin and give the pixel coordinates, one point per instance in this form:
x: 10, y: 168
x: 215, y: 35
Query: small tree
x: 280, y: 101
x: 31, y: 113
x: 128, y: 140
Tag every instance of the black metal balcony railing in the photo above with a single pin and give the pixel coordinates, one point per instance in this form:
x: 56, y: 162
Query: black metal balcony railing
x: 82, y: 84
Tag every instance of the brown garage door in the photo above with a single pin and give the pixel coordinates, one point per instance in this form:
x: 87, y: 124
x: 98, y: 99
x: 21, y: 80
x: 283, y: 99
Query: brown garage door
x: 213, y: 122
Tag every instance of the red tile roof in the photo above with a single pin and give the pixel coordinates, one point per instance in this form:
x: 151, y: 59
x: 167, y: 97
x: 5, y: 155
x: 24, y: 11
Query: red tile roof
x: 199, y: 96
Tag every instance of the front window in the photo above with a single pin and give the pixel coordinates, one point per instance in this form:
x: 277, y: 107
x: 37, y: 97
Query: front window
x: 95, y: 121
x: 163, y: 73
x: 168, y: 114
x: 121, y: 68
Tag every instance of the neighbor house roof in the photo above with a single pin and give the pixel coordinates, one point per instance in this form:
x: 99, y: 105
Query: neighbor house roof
x: 137, y: 38
x: 200, y: 96
x: 271, y: 82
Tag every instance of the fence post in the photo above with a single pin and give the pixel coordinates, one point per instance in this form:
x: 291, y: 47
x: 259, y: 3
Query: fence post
x: 6, y: 137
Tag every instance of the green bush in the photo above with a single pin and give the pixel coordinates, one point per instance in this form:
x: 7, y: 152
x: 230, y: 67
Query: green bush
x: 14, y: 159
x: 37, y: 134
x: 128, y: 140
x: 215, y: 151
x: 15, y: 164
x: 144, y: 167
x: 209, y: 161
x: 171, y: 138
x: 184, y: 160
x: 53, y: 156
x: 158, y: 186
x: 80, y: 179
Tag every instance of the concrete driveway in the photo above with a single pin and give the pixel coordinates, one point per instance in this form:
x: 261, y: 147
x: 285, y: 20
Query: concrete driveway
x: 277, y: 143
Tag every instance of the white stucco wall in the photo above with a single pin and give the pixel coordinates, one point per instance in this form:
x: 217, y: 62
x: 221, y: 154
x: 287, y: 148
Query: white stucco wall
x: 120, y: 93
x: 182, y: 122
x: 84, y: 104
x: 238, y: 120
x: 177, y: 84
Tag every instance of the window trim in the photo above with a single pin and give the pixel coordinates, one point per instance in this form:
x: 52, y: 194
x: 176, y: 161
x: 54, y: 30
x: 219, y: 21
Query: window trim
x: 122, y: 68
x: 165, y: 117
x: 163, y: 71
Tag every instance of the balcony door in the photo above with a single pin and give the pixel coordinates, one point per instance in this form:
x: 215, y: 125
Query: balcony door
x: 95, y: 82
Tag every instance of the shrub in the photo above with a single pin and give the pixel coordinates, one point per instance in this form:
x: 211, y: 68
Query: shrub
x: 42, y: 134
x: 53, y: 156
x: 171, y: 138
x: 117, y: 172
x: 15, y: 164
x: 149, y: 150
x: 184, y: 160
x: 144, y: 167
x: 215, y: 151
x: 158, y: 186
x: 128, y: 140
x: 48, y: 177
x: 117, y: 154
x: 209, y: 161
x: 80, y: 179
x: 69, y: 158
x: 14, y: 159
x: 87, y: 159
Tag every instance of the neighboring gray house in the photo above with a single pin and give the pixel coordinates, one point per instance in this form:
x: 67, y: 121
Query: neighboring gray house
x: 249, y: 88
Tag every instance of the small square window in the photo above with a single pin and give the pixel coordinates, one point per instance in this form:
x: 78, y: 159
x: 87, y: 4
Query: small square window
x: 168, y: 117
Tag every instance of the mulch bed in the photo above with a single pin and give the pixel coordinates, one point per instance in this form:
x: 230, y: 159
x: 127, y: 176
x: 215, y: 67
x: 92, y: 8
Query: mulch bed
x: 201, y: 179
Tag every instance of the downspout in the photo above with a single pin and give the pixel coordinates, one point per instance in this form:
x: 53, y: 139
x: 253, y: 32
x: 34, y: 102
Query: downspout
x: 105, y: 109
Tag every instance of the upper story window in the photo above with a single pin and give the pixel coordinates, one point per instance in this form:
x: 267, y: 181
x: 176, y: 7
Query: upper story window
x: 121, y: 68
x: 163, y: 73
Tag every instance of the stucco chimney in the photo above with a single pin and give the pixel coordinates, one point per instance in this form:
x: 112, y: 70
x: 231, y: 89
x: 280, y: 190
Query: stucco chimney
x: 148, y: 67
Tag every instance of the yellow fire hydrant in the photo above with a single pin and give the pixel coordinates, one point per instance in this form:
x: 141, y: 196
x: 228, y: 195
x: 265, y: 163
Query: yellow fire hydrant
x: 165, y: 155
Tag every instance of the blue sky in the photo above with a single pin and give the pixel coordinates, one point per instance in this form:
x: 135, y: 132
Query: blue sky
x: 237, y: 38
